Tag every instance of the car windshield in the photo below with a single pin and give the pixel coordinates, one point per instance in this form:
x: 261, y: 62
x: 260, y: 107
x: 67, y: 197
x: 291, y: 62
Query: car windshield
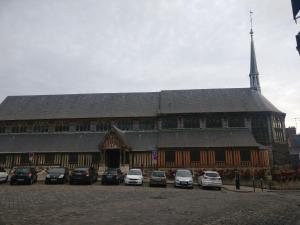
x: 212, y: 174
x: 22, y: 170
x: 81, y: 169
x: 158, y: 174
x: 184, y: 173
x: 134, y: 172
x: 56, y: 170
x: 111, y: 171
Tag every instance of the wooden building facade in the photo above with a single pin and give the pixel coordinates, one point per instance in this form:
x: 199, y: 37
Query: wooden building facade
x: 213, y: 128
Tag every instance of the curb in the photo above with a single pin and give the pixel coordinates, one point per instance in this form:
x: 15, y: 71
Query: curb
x: 233, y: 190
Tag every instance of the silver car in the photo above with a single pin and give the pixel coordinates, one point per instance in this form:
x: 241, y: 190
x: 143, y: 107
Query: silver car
x: 3, y: 175
x: 210, y: 179
x: 183, y: 178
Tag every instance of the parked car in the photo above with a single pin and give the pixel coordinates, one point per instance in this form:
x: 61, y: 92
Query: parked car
x: 183, y: 178
x: 26, y: 175
x: 3, y: 175
x: 112, y: 176
x: 134, y: 176
x: 80, y: 175
x: 57, y: 175
x: 158, y: 178
x: 210, y: 179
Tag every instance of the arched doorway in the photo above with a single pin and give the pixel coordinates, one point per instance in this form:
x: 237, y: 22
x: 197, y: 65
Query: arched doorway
x: 112, y: 158
x: 113, y: 149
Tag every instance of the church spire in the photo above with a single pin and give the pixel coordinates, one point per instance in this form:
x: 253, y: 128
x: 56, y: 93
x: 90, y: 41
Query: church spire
x: 254, y: 75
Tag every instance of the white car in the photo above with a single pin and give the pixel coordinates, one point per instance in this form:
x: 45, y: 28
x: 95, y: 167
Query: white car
x: 210, y: 179
x: 134, y: 176
x: 183, y: 178
x: 3, y: 176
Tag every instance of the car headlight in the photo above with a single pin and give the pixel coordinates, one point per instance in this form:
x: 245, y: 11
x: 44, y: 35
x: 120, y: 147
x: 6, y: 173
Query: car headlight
x: 48, y: 176
x: 177, y: 181
x: 61, y: 176
x: 190, y: 181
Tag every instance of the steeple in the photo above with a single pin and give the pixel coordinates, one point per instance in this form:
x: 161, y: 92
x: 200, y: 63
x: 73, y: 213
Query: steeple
x: 254, y: 75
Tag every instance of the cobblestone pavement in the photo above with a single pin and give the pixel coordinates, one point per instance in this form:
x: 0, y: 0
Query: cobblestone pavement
x: 120, y: 205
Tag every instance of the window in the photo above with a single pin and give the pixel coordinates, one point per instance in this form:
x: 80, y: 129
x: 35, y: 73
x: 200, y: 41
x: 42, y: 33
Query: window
x: 220, y: 155
x: 15, y: 129
x: 23, y: 129
x: 61, y: 128
x: 103, y: 126
x: 125, y: 125
x: 127, y: 157
x: 146, y: 124
x: 169, y: 123
x: 24, y: 158
x: 73, y: 158
x: 170, y: 156
x: 19, y: 129
x: 2, y: 159
x: 49, y: 158
x: 245, y: 155
x: 236, y: 122
x: 195, y: 155
x: 83, y: 127
x: 2, y: 129
x: 213, y: 122
x: 260, y: 130
x: 40, y: 128
x: 96, y: 158
x: 191, y: 123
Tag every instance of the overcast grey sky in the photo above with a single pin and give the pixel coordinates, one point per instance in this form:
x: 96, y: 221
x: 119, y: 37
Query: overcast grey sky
x: 87, y: 46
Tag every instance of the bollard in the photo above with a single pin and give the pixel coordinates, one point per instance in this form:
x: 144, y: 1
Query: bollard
x: 237, y: 180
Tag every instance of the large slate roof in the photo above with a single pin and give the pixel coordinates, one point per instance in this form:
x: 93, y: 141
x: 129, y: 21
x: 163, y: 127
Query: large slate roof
x: 147, y: 104
x: 137, y: 141
x: 214, y: 100
x: 79, y: 106
x: 56, y: 142
x: 233, y: 137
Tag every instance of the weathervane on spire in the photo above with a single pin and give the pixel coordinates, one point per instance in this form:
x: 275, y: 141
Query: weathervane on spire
x: 251, y: 22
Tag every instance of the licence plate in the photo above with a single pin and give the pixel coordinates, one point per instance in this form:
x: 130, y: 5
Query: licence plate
x: 183, y: 182
x: 53, y: 180
x: 20, y: 179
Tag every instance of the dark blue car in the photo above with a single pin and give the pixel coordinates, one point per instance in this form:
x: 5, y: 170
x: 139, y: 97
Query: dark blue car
x: 24, y: 175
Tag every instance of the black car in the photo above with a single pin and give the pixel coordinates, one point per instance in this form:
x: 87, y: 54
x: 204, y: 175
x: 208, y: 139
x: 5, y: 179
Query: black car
x: 112, y: 176
x: 58, y: 175
x: 86, y: 175
x: 26, y: 175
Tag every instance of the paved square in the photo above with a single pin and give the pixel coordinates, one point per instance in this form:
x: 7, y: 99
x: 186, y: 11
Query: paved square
x: 115, y: 205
